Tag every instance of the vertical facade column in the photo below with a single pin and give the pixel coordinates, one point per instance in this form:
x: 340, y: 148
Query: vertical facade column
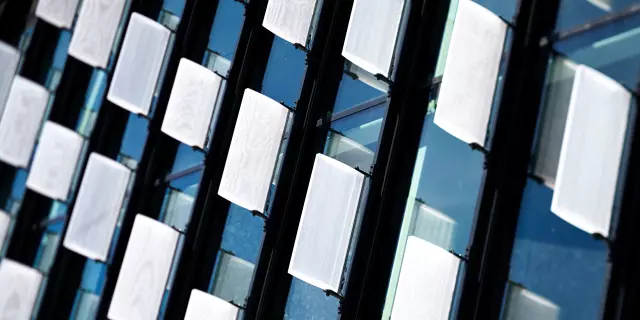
x: 623, y: 289
x: 66, y: 272
x: 394, y: 163
x: 506, y: 167
x: 154, y: 158
x: 209, y: 212
x: 268, y: 296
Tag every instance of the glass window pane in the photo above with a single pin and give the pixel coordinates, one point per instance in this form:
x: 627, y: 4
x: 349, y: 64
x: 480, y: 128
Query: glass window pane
x: 306, y: 301
x: 613, y: 49
x: 232, y: 279
x: 556, y: 260
x: 577, y: 12
x: 285, y: 71
x: 243, y: 234
x: 227, y: 25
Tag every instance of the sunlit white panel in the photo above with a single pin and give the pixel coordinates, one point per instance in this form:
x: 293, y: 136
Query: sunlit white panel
x: 290, y: 19
x: 193, y: 99
x: 145, y: 270
x: 427, y: 282
x: 203, y: 306
x: 372, y: 33
x: 523, y: 304
x: 9, y: 58
x: 5, y: 221
x: 553, y: 120
x: 59, y: 13
x: 604, y: 5
x: 591, y: 151
x: 253, y: 151
x: 136, y: 75
x: 326, y: 224
x: 21, y: 120
x: 20, y: 285
x: 471, y: 73
x: 55, y: 161
x: 97, y: 207
x: 95, y: 31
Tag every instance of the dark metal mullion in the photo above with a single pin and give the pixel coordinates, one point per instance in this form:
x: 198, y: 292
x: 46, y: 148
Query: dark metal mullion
x: 209, y: 213
x: 158, y: 152
x: 393, y: 169
x: 507, y: 164
x: 271, y: 285
x: 359, y: 108
x: 623, y: 290
x: 38, y: 56
x: 14, y: 15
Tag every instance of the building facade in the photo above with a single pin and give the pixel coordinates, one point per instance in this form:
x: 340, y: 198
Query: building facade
x: 353, y: 159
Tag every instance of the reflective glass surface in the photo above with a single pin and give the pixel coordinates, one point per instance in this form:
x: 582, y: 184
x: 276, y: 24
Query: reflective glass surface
x: 556, y: 260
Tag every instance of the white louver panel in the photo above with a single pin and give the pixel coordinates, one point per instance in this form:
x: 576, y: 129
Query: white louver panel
x: 372, y: 34
x: 139, y: 64
x: 290, y: 19
x: 59, y: 13
x: 95, y: 31
x: 20, y: 285
x: 97, y: 207
x: 253, y: 151
x: 9, y: 58
x: 427, y: 282
x: 471, y: 73
x: 192, y: 103
x: 591, y: 151
x: 145, y: 270
x: 55, y: 161
x: 326, y: 224
x: 21, y: 121
x: 203, y: 306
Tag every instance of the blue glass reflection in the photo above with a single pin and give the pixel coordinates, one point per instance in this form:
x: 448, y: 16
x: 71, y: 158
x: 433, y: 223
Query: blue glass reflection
x: 187, y: 184
x: 19, y: 184
x: 97, y: 88
x: 504, y: 8
x: 285, y: 72
x: 450, y: 181
x: 353, y: 92
x: 577, y: 12
x: 135, y: 136
x: 613, y: 50
x: 174, y: 6
x: 186, y: 157
x: 226, y: 29
x: 93, y: 276
x: 308, y: 302
x: 556, y: 260
x: 363, y: 127
x: 243, y: 234
x: 60, y: 54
